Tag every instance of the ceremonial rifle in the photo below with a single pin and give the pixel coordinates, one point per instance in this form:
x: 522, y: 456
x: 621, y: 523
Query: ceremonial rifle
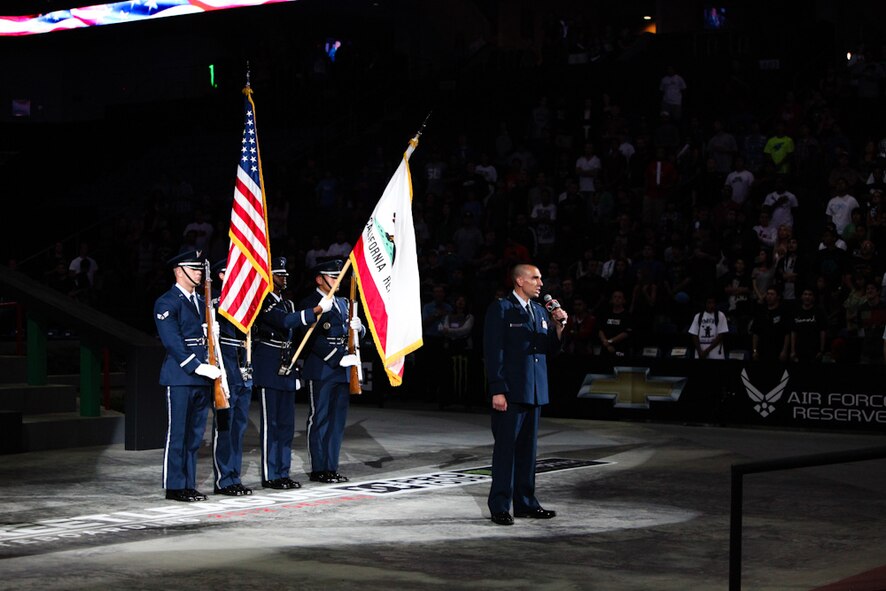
x: 220, y: 384
x: 354, y: 341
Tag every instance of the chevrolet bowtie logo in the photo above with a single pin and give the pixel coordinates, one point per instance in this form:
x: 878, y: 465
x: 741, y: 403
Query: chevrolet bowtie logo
x: 631, y: 387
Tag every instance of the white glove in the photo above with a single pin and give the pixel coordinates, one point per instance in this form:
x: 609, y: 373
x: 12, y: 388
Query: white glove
x: 325, y: 304
x: 208, y: 371
x: 349, y: 360
x: 215, y: 330
x: 356, y: 323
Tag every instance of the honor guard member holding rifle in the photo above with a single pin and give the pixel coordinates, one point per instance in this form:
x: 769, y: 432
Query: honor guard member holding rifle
x: 327, y: 370
x: 180, y: 317
x: 276, y: 376
x: 227, y: 444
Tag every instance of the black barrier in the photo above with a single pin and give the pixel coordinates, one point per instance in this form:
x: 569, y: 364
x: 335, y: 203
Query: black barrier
x: 738, y: 472
x: 825, y: 396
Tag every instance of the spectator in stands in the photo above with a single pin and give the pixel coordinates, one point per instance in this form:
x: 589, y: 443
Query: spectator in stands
x: 808, y: 159
x: 615, y: 327
x: 661, y: 182
x: 856, y: 231
x: 876, y: 218
x: 791, y: 272
x: 708, y: 331
x: 84, y: 276
x: 740, y: 179
x: 753, y: 145
x: 457, y: 329
x: 738, y: 291
x: 588, y: 169
x: 831, y: 261
x: 867, y: 261
x: 840, y: 206
x: 544, y: 220
x: 770, y: 331
x: 432, y: 355
x: 644, y: 305
x: 765, y: 230
x: 467, y: 238
x: 808, y: 329
x: 871, y: 324
x: 580, y: 332
x: 672, y: 87
x: 762, y: 275
x: 780, y: 149
x: 843, y: 170
x: 782, y: 203
x: 722, y: 147
x: 339, y: 248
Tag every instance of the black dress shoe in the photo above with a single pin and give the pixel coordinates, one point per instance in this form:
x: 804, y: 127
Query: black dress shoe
x: 538, y: 513
x: 198, y: 496
x: 290, y: 483
x: 232, y: 490
x: 339, y: 477
x: 276, y: 483
x: 182, y: 495
x: 503, y: 518
x: 315, y: 476
x: 244, y: 490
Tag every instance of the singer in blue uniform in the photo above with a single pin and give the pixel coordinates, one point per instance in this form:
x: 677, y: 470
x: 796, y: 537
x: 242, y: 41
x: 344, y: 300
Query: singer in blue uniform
x: 180, y: 317
x: 229, y: 425
x: 517, y: 337
x: 277, y: 377
x: 327, y: 368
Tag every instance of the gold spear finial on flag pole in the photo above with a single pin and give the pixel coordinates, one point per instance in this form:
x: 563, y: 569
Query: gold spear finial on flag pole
x: 247, y: 90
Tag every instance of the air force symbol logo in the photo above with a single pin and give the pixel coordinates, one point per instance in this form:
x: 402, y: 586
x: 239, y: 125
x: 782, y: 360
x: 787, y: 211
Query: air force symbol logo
x: 163, y: 316
x: 765, y: 402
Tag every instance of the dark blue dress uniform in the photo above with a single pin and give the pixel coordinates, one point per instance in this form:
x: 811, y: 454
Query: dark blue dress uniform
x: 272, y: 356
x: 179, y: 323
x: 515, y: 346
x: 327, y: 380
x: 227, y: 444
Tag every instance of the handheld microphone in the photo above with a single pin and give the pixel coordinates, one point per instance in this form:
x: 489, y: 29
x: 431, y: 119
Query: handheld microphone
x: 551, y: 304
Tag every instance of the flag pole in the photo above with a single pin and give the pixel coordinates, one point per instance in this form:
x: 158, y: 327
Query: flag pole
x: 331, y: 294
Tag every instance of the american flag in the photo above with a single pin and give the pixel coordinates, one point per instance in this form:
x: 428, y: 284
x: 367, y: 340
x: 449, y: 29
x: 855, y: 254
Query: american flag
x: 248, y: 275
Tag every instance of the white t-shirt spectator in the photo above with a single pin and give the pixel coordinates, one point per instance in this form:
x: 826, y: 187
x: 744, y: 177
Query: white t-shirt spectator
x: 740, y: 181
x: 839, y: 209
x: 707, y: 327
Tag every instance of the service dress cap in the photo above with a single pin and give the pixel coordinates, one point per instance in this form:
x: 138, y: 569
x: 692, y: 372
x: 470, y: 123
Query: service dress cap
x: 191, y: 259
x: 278, y: 266
x: 329, y: 267
x: 219, y: 266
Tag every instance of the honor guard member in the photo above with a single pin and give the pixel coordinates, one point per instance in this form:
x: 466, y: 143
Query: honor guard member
x: 276, y: 376
x: 180, y: 317
x: 227, y: 444
x: 326, y: 368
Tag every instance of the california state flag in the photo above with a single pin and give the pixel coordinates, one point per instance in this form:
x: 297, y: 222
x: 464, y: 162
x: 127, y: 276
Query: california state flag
x: 386, y: 265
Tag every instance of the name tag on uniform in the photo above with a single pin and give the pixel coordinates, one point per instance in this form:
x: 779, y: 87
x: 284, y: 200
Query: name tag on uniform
x: 515, y: 325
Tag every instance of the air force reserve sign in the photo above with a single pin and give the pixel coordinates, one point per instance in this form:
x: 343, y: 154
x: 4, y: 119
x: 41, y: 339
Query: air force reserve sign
x: 632, y: 387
